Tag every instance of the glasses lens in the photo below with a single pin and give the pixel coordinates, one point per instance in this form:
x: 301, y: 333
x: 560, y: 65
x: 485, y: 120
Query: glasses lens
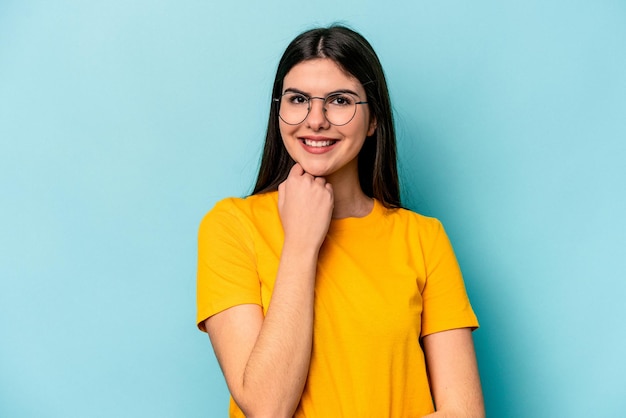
x: 340, y: 108
x: 294, y: 108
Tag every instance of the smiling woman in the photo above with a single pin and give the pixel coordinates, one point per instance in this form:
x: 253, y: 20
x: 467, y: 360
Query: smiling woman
x: 322, y: 296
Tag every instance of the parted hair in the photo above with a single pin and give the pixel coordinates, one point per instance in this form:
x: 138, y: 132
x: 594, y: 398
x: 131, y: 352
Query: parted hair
x: 377, y: 160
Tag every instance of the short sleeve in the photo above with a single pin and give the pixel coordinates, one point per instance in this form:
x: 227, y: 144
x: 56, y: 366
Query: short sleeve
x: 227, y: 274
x: 445, y: 302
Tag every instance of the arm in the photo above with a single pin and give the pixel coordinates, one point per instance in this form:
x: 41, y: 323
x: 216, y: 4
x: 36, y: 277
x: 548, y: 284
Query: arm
x: 453, y: 374
x: 266, y: 360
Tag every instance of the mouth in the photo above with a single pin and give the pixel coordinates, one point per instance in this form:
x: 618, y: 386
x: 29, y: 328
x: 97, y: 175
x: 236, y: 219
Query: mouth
x: 318, y: 143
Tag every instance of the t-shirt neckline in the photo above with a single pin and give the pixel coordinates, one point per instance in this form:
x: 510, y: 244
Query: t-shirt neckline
x: 342, y: 224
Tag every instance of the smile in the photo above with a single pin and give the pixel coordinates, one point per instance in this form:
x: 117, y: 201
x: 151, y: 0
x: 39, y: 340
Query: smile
x: 317, y: 144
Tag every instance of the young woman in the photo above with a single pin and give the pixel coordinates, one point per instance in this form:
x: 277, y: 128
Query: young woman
x: 321, y: 295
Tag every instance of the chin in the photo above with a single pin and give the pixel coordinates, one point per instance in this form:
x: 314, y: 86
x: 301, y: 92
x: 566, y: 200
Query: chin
x: 314, y: 171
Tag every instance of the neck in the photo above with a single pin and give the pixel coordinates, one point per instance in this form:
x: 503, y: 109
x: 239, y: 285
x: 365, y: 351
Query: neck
x: 349, y: 199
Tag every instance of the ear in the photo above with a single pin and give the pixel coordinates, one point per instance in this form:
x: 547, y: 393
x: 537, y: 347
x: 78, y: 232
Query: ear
x: 372, y: 127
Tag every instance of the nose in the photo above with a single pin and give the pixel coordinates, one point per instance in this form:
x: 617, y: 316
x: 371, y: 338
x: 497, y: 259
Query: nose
x: 316, y: 119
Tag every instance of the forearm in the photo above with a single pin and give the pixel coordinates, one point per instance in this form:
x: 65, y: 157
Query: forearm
x: 453, y: 374
x: 278, y: 365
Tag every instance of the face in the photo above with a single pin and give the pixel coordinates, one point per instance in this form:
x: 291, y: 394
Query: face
x: 321, y: 148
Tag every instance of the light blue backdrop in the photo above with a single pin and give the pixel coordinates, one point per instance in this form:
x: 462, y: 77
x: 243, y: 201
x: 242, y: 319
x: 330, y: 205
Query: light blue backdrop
x: 122, y: 122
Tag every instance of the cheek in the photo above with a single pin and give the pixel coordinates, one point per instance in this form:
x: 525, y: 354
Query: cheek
x: 286, y: 130
x: 284, y: 134
x: 287, y: 133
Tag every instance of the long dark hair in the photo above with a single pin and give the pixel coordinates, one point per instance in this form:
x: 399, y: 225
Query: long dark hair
x: 378, y: 173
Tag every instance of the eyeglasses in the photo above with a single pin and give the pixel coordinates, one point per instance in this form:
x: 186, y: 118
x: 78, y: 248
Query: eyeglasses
x: 339, y: 108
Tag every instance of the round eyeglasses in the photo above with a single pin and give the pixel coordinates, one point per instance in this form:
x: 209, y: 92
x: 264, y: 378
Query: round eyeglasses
x: 339, y: 108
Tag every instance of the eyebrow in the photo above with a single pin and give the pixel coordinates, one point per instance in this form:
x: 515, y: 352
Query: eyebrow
x: 294, y: 90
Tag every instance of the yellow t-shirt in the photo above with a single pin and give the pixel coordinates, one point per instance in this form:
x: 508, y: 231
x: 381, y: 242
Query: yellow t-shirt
x: 383, y: 282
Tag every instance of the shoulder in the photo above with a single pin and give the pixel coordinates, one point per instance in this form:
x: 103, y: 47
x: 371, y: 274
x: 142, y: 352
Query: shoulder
x: 235, y: 212
x: 246, y: 206
x: 417, y: 231
x: 415, y: 222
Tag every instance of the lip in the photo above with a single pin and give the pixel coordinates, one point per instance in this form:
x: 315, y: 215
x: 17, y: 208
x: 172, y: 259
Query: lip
x: 319, y: 149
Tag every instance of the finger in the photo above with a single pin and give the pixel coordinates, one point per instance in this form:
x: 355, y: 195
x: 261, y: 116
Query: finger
x: 320, y: 180
x: 296, y: 170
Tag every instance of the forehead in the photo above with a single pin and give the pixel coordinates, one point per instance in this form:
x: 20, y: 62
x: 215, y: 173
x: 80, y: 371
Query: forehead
x: 320, y: 76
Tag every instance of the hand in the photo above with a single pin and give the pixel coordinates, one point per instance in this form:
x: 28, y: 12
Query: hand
x: 305, y: 204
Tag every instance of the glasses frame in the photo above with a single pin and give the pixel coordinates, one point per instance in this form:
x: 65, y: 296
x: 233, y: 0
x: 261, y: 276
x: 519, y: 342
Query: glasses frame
x: 277, y: 100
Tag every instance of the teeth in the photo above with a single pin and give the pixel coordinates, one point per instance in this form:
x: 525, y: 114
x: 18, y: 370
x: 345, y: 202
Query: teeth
x: 318, y: 144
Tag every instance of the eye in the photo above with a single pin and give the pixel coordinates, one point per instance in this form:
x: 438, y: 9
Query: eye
x: 296, y: 99
x: 340, y: 99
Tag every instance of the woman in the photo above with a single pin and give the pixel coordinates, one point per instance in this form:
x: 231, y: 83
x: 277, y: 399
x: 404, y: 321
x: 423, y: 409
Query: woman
x: 321, y: 295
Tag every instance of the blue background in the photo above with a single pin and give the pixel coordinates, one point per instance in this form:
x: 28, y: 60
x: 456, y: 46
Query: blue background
x: 122, y: 122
